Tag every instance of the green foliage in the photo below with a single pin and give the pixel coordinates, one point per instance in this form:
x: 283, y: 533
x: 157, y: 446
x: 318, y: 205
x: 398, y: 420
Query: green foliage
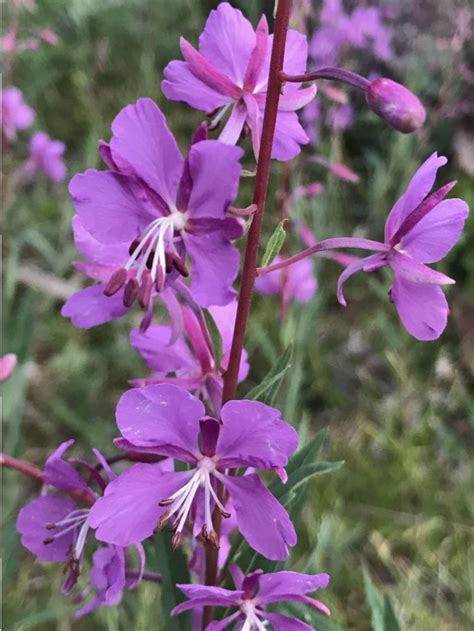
x: 381, y: 609
x: 267, y: 390
x: 275, y: 243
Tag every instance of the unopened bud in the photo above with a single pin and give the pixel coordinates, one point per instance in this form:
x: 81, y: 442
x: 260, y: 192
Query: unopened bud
x: 399, y: 107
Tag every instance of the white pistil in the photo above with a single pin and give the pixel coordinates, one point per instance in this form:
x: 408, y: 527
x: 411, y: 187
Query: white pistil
x: 158, y: 235
x: 252, y: 621
x: 219, y: 116
x: 184, y: 497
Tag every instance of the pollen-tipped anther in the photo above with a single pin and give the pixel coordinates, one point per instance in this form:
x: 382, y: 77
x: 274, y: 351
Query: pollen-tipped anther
x: 116, y: 282
x: 131, y: 292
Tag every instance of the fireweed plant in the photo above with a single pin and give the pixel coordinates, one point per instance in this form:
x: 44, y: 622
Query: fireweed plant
x: 158, y: 226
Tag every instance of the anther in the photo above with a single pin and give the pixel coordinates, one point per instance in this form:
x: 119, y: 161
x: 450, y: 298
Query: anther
x: 224, y: 513
x: 48, y: 540
x: 179, y: 264
x: 133, y: 246
x: 213, y: 539
x: 115, y: 282
x: 144, y: 293
x: 160, y: 279
x: 166, y: 502
x: 51, y: 526
x: 147, y: 318
x: 162, y: 521
x: 130, y: 293
x: 176, y: 540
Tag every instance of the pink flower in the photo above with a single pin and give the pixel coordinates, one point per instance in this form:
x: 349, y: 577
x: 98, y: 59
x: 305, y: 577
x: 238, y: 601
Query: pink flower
x: 46, y: 156
x: 229, y: 72
x: 16, y: 114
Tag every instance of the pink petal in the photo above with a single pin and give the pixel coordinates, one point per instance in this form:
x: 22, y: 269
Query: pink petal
x: 423, y: 309
x: 418, y: 188
x: 409, y: 269
x: 142, y: 145
x: 434, y: 236
x: 207, y: 73
x: 227, y: 41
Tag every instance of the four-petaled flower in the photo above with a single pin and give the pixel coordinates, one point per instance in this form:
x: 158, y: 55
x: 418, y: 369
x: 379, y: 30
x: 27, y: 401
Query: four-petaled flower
x: 230, y: 71
x: 55, y: 528
x: 167, y: 420
x: 420, y: 229
x: 251, y: 596
x: 159, y: 208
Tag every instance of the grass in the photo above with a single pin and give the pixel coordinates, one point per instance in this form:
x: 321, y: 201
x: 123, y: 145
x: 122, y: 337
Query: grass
x: 399, y: 413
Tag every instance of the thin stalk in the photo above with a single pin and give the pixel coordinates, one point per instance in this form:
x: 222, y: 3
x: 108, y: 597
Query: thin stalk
x: 330, y: 74
x: 249, y: 271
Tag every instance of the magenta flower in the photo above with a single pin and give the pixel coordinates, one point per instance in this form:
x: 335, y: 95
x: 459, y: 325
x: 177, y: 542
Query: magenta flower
x: 55, y: 527
x: 46, y: 156
x: 420, y: 229
x: 297, y: 282
x: 7, y: 366
x: 252, y: 595
x: 190, y: 358
x: 160, y: 208
x: 168, y: 421
x: 16, y: 114
x: 230, y: 73
x: 109, y: 578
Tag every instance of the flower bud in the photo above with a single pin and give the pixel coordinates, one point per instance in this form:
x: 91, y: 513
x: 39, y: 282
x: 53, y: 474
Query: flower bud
x: 396, y: 105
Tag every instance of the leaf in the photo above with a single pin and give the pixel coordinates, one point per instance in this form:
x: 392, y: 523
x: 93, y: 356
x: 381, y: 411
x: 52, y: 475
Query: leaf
x: 267, y: 390
x: 274, y: 244
x: 216, y: 339
x: 173, y: 569
x: 382, y: 613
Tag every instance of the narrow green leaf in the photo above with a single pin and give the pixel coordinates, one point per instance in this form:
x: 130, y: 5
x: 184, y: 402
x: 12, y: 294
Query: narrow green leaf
x: 274, y: 244
x: 375, y: 602
x: 284, y: 492
x: 216, y: 339
x: 267, y: 390
x: 390, y: 620
x: 173, y: 569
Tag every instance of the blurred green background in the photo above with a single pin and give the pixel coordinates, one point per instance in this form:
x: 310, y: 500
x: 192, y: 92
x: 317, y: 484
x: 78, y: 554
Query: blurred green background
x: 399, y: 412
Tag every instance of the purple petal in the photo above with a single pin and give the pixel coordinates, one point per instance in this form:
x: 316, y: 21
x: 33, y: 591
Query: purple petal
x: 285, y: 623
x: 409, y: 269
x: 434, y: 235
x: 215, y: 172
x: 207, y: 73
x: 129, y: 511
x: 102, y: 253
x: 296, y: 55
x: 158, y: 354
x: 352, y: 269
x: 215, y: 265
x: 161, y: 416
x: 89, y: 307
x: 227, y: 41
x: 61, y: 474
x: 418, y: 188
x: 423, y: 309
x: 182, y: 85
x: 32, y: 521
x: 257, y: 58
x: 213, y: 601
x: 280, y: 585
x: 261, y: 519
x: 237, y: 575
x: 232, y: 130
x: 253, y: 435
x: 142, y: 145
x: 108, y: 573
x: 291, y: 101
x: 220, y: 625
x: 289, y: 135
x: 107, y: 206
x: 224, y: 318
x: 192, y: 591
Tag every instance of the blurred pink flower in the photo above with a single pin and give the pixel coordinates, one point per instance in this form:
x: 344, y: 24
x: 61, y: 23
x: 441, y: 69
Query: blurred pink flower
x: 46, y: 156
x: 16, y: 114
x: 7, y: 366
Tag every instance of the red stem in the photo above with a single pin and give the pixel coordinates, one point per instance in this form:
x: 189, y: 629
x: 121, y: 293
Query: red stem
x: 249, y: 272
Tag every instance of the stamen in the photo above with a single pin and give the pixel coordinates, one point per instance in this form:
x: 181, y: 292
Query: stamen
x: 144, y: 293
x: 131, y: 292
x: 176, y: 540
x: 115, y: 282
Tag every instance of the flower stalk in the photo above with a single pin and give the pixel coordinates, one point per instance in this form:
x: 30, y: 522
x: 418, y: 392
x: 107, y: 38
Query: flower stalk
x: 249, y: 272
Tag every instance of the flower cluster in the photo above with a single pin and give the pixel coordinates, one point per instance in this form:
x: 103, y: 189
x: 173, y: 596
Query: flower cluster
x: 158, y: 227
